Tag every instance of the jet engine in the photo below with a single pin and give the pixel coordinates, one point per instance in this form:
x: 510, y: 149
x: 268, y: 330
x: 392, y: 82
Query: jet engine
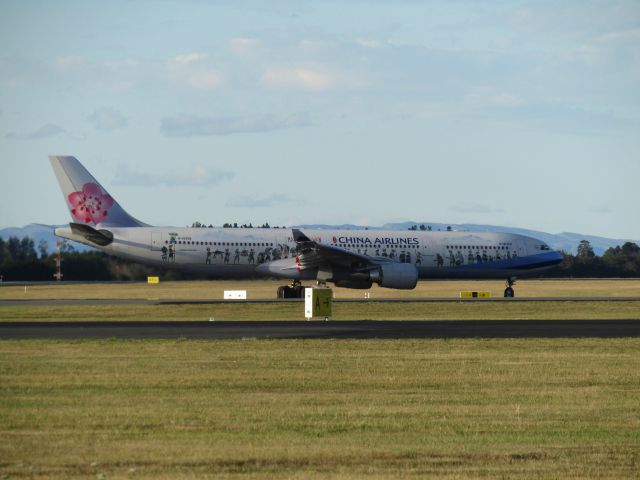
x: 403, y: 276
x: 359, y: 284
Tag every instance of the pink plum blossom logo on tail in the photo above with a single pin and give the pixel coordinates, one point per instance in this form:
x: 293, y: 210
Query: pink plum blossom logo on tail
x: 90, y: 204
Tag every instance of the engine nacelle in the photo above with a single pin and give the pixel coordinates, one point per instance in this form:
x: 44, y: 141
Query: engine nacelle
x: 403, y: 276
x: 355, y: 284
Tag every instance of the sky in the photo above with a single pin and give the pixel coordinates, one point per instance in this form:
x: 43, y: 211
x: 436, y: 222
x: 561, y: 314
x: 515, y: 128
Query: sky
x: 514, y: 113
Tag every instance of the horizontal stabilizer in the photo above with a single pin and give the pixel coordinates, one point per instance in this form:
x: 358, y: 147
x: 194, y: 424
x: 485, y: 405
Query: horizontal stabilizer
x: 99, y: 237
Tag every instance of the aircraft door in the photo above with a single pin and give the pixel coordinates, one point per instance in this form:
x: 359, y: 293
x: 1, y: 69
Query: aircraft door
x: 156, y: 241
x: 426, y: 256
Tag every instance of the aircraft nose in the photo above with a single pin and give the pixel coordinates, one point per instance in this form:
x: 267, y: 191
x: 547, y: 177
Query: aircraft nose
x: 556, y: 257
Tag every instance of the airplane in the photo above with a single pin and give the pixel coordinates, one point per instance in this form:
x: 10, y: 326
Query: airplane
x: 346, y: 258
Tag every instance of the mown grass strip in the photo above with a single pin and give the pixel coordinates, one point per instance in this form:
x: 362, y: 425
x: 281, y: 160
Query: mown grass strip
x: 342, y: 311
x: 301, y: 408
x: 256, y: 289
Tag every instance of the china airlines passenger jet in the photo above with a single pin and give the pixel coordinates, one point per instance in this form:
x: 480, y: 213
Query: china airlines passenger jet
x: 347, y: 258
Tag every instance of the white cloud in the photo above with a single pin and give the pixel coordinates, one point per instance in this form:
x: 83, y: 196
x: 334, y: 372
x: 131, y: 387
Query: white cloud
x: 107, y: 119
x: 298, y: 78
x: 631, y: 35
x: 600, y: 209
x: 243, y: 45
x: 70, y: 61
x: 483, y: 98
x: 472, y: 207
x: 189, y: 58
x: 368, y: 43
x: 585, y: 54
x: 48, y: 130
x: 192, y: 69
x: 307, y: 44
x: 192, y: 125
x: 207, y: 80
x: 254, y: 202
x: 194, y: 176
x: 123, y: 65
x: 508, y: 100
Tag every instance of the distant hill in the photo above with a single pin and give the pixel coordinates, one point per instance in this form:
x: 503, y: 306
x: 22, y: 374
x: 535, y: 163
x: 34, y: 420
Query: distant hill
x: 561, y: 241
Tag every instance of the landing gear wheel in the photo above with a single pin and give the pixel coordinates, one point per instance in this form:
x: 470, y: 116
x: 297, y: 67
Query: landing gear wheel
x: 295, y: 290
x: 509, y: 292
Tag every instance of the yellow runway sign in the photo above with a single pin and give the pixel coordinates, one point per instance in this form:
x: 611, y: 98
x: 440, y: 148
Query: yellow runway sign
x: 475, y: 294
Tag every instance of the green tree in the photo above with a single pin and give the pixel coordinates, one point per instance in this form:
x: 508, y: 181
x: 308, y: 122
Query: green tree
x: 43, y: 248
x: 630, y: 248
x: 585, y: 250
x: 66, y: 247
x: 13, y: 248
x: 622, y: 261
x: 3, y: 251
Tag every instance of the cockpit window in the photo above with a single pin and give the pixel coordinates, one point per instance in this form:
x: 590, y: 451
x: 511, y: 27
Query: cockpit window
x: 544, y: 247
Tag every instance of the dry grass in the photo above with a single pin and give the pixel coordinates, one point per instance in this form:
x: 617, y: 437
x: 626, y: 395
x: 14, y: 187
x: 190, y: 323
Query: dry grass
x: 320, y: 409
x: 257, y: 289
x: 295, y: 311
x: 341, y: 311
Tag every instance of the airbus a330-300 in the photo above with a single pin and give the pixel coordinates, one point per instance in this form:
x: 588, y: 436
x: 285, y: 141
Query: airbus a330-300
x: 346, y: 258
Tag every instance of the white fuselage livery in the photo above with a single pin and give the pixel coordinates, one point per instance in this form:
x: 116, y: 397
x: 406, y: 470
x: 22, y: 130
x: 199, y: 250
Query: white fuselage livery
x: 244, y: 252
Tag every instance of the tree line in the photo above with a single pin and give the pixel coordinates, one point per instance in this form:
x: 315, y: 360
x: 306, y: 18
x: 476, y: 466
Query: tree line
x: 231, y: 225
x: 22, y: 260
x: 620, y: 261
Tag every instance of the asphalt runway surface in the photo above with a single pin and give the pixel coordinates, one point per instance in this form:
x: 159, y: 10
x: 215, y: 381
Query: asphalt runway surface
x: 143, y: 301
x: 322, y: 330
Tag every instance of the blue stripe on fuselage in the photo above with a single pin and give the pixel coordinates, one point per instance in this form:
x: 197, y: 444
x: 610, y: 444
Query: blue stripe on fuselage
x: 530, y: 262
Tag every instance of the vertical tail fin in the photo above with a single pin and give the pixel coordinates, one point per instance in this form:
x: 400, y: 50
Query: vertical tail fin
x: 88, y: 202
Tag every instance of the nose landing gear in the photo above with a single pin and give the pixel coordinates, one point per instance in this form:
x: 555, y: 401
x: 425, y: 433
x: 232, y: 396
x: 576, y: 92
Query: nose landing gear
x: 509, y: 292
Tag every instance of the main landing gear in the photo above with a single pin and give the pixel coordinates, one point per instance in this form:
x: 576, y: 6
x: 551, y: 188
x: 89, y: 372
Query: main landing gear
x: 295, y: 290
x: 509, y: 292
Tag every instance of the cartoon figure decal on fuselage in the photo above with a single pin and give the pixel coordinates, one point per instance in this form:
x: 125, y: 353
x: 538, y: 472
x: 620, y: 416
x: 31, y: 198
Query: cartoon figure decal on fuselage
x: 168, y: 250
x: 245, y: 252
x: 228, y: 253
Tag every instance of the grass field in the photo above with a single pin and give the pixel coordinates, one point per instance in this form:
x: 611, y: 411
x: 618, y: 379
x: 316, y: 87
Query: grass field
x: 257, y: 289
x: 295, y: 311
x: 320, y: 409
x: 501, y: 408
x: 341, y: 311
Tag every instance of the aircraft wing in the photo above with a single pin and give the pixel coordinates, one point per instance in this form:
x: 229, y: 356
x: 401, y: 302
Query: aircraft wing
x: 313, y: 254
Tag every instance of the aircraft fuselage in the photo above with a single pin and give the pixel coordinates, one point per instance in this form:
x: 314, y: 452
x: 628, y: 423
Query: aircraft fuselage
x: 240, y: 252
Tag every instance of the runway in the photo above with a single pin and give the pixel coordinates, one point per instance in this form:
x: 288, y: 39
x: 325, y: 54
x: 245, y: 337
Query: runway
x: 322, y: 330
x: 178, y: 301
